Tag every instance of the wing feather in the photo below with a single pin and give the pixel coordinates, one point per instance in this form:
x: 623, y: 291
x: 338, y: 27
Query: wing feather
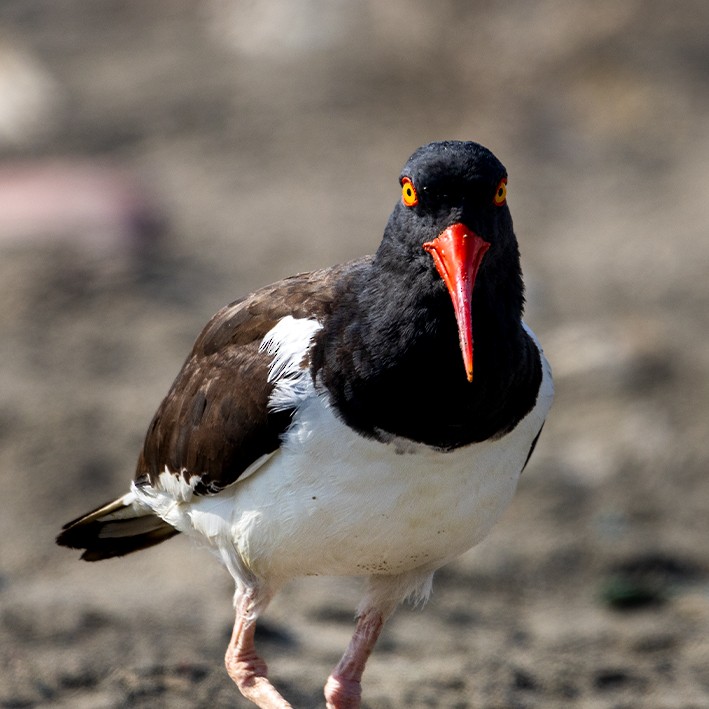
x: 215, y: 421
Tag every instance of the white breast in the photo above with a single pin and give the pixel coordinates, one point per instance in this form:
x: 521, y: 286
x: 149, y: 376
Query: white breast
x: 333, y: 502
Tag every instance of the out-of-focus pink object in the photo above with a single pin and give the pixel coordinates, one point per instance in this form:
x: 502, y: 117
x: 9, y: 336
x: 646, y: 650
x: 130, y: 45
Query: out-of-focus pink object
x: 100, y: 210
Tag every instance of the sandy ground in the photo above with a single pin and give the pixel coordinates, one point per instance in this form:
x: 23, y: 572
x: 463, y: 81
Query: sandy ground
x: 160, y: 159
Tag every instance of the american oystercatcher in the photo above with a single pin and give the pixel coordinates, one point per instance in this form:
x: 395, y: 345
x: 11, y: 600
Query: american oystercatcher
x: 328, y: 424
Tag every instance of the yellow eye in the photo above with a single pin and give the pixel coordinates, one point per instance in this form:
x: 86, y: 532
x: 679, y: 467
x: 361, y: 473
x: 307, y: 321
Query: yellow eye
x: 501, y: 193
x: 408, y: 193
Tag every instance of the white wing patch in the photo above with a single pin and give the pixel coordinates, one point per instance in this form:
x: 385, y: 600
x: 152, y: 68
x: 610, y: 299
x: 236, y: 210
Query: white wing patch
x: 288, y: 342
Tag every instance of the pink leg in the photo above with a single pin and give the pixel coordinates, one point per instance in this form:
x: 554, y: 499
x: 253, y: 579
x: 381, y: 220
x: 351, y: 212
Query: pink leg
x: 343, y: 689
x: 245, y: 667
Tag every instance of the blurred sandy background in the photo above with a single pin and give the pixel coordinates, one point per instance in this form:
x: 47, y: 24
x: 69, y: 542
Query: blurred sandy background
x: 159, y: 159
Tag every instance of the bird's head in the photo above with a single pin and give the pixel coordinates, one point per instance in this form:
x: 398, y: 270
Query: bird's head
x: 453, y: 222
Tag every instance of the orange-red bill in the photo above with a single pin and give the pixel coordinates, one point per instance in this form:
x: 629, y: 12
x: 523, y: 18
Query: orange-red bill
x: 457, y: 253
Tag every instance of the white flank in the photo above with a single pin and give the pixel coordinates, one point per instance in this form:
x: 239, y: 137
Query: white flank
x: 545, y: 397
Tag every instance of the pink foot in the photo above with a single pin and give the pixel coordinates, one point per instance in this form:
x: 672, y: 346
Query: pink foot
x: 247, y: 669
x: 343, y: 689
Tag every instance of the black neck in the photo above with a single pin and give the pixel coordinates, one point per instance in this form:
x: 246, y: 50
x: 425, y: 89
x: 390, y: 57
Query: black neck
x: 390, y: 359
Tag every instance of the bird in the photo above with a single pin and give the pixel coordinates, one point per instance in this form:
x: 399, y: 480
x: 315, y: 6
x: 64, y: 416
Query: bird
x: 370, y: 419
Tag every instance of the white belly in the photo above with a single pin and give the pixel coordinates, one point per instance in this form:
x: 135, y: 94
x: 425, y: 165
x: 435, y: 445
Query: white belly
x: 331, y: 502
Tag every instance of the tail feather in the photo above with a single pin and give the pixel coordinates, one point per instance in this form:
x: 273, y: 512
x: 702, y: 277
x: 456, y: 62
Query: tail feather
x: 115, y: 529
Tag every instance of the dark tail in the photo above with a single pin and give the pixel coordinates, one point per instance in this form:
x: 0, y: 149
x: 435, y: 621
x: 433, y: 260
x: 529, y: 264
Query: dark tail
x: 115, y: 529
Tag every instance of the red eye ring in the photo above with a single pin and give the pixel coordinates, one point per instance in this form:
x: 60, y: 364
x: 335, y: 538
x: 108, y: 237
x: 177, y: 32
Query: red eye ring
x: 500, y: 193
x: 408, y: 193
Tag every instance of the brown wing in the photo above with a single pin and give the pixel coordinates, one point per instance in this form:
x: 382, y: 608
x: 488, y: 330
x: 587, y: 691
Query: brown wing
x: 214, y: 421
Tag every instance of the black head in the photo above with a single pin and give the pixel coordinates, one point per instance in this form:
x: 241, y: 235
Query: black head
x: 446, y: 183
x: 452, y: 229
x: 453, y: 171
